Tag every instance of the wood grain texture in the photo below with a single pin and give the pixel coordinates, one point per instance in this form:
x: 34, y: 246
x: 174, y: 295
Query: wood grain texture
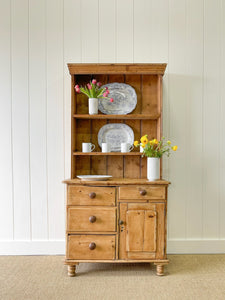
x: 79, y: 247
x: 134, y: 192
x: 80, y: 195
x: 78, y: 219
x: 117, y: 182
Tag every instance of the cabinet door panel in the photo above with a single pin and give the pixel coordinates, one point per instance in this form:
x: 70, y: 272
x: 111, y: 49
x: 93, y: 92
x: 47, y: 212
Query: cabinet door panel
x: 141, y: 230
x: 142, y: 235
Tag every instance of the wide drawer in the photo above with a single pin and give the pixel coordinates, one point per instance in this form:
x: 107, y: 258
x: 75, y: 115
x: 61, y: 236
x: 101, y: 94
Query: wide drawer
x: 91, y: 247
x: 87, y: 195
x: 142, y: 192
x: 91, y: 219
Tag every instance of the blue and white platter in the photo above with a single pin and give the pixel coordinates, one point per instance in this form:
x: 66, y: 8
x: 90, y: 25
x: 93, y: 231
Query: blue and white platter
x: 125, y: 99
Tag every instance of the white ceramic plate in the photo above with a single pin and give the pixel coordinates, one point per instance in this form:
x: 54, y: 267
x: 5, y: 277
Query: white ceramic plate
x: 115, y: 134
x: 94, y: 177
x: 125, y: 99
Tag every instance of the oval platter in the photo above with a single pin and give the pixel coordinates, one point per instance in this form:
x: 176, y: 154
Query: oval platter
x: 115, y: 134
x: 125, y: 99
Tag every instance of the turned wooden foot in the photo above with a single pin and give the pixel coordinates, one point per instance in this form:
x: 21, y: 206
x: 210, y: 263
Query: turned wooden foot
x: 159, y: 269
x: 71, y: 271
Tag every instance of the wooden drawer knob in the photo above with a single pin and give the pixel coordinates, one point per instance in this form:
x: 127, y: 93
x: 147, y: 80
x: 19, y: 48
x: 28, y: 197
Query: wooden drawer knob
x: 92, y: 195
x: 143, y: 192
x: 92, y: 246
x: 92, y: 219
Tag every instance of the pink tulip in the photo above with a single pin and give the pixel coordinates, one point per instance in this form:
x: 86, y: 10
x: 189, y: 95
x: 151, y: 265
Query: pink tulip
x: 77, y: 90
x: 105, y: 94
x: 77, y: 86
x: 89, y: 86
x: 111, y: 100
x: 99, y: 84
x: 94, y: 81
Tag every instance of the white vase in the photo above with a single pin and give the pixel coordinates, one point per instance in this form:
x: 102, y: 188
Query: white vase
x: 153, y: 168
x: 93, y: 106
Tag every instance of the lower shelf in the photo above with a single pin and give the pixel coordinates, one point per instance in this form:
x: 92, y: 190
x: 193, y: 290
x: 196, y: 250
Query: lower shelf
x: 108, y: 153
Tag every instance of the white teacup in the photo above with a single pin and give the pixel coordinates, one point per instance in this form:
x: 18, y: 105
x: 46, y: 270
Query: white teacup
x: 126, y: 147
x: 106, y: 147
x: 88, y: 147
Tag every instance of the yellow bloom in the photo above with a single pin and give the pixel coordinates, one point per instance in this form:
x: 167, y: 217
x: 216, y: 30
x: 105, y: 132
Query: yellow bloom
x: 155, y: 141
x: 151, y: 142
x: 135, y: 143
x: 144, y: 140
x: 174, y: 148
x: 168, y: 142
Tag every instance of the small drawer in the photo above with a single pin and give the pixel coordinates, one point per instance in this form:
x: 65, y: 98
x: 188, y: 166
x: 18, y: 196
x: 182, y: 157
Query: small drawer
x: 142, y: 192
x: 91, y: 219
x: 87, y: 195
x: 91, y: 247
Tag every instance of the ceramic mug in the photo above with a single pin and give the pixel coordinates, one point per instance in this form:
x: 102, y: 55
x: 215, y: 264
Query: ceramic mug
x: 88, y: 147
x: 106, y: 147
x: 126, y: 147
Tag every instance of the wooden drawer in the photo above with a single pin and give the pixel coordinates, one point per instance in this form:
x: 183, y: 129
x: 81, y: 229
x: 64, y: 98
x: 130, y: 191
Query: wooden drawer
x: 87, y: 195
x: 142, y: 192
x: 79, y: 247
x: 91, y: 219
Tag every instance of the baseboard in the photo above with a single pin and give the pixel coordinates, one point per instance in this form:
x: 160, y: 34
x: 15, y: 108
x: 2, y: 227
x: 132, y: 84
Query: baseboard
x: 32, y: 247
x: 196, y: 246
x: 58, y: 247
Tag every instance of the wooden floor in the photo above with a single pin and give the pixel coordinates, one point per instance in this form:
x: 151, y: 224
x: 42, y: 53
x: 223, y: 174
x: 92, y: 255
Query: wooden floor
x: 45, y: 277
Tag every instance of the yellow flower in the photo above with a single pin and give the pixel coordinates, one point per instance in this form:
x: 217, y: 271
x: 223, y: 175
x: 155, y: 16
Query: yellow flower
x: 168, y: 142
x: 151, y: 142
x: 144, y: 140
x: 174, y: 148
x: 155, y: 141
x: 135, y: 143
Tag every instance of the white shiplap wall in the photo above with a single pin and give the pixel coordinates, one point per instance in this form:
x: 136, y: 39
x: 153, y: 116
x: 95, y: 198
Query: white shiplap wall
x: 38, y: 38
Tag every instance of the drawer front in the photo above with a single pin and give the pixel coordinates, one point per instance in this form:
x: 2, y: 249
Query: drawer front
x: 86, y: 195
x: 91, y: 219
x: 142, y: 192
x: 91, y: 247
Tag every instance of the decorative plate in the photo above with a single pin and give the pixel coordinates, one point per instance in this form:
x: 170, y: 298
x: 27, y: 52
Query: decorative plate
x: 125, y: 99
x: 94, y: 177
x: 115, y: 134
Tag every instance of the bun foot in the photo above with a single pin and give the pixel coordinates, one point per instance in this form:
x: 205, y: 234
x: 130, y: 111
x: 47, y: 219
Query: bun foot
x: 71, y: 271
x: 159, y: 269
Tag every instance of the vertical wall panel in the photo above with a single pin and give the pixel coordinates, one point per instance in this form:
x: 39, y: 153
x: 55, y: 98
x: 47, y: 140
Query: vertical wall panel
x: 37, y: 88
x: 107, y: 31
x: 72, y: 54
x: 90, y: 31
x: 124, y: 31
x: 177, y: 98
x: 211, y: 112
x: 20, y: 120
x: 194, y: 92
x: 6, y: 184
x: 55, y: 111
x: 142, y: 31
x: 222, y: 125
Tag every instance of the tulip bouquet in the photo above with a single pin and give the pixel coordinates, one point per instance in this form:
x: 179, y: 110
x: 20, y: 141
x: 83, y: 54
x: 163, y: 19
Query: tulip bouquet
x: 93, y: 90
x: 155, y: 148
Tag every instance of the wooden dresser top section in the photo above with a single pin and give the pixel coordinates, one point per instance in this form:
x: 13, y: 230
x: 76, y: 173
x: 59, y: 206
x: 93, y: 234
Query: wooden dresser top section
x: 117, y: 182
x: 155, y: 69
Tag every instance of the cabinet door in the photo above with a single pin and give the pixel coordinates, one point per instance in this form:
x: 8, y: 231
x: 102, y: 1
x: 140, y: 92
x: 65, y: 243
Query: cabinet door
x: 142, y: 234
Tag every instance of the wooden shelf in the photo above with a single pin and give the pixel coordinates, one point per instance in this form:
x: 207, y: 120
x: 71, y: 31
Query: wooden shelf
x: 108, y: 153
x: 122, y: 117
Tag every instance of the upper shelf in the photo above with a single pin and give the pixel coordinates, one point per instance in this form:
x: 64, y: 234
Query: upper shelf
x: 156, y: 69
x: 122, y: 117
